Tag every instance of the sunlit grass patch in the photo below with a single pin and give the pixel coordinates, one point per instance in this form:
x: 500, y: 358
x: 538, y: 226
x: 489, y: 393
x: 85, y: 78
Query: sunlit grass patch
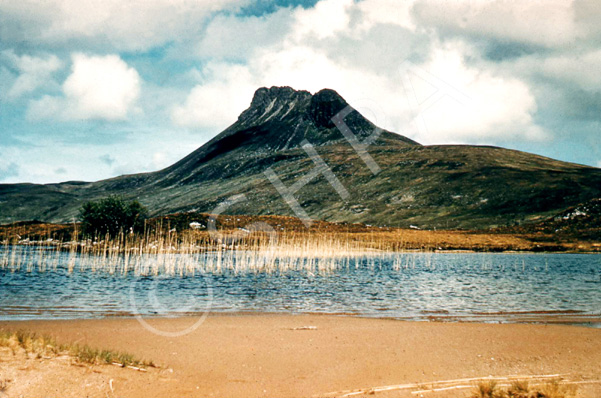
x: 42, y: 346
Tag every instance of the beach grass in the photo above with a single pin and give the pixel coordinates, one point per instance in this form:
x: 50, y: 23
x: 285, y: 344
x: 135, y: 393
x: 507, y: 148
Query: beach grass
x: 524, y: 389
x: 43, y: 346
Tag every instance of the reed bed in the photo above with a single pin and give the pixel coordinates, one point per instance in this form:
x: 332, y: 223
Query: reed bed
x: 161, y: 252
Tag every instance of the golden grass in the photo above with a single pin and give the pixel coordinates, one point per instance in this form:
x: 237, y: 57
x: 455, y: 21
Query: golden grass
x: 487, y: 389
x: 42, y: 346
x: 197, y: 251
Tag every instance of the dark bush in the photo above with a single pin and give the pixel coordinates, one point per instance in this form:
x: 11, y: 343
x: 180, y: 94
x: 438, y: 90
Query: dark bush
x: 111, y: 216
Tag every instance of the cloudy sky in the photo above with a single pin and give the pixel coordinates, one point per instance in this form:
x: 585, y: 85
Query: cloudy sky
x: 91, y: 89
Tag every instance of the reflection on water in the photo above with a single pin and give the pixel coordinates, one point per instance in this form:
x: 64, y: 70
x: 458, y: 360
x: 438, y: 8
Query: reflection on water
x: 464, y: 286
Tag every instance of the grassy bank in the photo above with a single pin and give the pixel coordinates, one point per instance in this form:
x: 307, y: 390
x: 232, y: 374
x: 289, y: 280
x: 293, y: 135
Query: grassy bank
x: 44, y: 346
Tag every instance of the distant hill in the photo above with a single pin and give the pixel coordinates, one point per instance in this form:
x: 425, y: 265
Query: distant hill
x: 438, y: 186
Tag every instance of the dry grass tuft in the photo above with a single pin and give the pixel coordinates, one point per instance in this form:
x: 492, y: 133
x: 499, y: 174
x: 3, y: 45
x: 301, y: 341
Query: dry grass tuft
x: 487, y: 389
x: 42, y: 346
x: 519, y: 389
x: 554, y: 389
x: 523, y: 389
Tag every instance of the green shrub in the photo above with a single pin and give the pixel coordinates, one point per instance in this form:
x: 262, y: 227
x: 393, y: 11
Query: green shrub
x: 112, y: 215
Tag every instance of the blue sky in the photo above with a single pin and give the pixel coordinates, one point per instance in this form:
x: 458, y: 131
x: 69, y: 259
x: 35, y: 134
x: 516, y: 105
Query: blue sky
x: 91, y: 89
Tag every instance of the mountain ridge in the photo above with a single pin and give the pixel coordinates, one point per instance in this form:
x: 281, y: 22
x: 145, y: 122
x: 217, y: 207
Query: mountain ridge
x: 430, y: 186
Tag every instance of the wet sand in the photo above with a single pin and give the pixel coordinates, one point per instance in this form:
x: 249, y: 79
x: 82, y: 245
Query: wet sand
x: 266, y: 355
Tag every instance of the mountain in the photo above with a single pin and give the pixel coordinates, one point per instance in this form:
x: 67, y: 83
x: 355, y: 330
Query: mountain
x: 443, y: 186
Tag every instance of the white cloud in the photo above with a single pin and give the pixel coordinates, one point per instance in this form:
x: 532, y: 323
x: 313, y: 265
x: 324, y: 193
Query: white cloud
x: 393, y: 12
x: 548, y: 23
x: 46, y: 107
x: 502, y: 107
x: 7, y: 79
x: 299, y: 66
x: 99, y: 87
x: 217, y: 102
x: 230, y: 36
x: 486, y: 108
x: 327, y: 18
x: 580, y: 69
x: 586, y: 15
x: 34, y: 72
x: 116, y: 24
x: 226, y: 88
x: 159, y: 160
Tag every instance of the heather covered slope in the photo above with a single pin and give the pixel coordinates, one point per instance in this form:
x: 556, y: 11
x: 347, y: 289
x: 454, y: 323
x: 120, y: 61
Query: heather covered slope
x: 445, y: 186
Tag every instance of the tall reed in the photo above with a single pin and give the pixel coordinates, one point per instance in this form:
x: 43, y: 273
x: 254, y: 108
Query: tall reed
x: 164, y: 251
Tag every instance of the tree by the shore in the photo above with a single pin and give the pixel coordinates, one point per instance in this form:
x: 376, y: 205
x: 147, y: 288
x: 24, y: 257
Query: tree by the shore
x: 111, y: 216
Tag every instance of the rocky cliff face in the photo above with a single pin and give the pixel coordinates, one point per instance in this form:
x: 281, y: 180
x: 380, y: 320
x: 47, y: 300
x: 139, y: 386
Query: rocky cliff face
x: 280, y: 118
x: 429, y: 186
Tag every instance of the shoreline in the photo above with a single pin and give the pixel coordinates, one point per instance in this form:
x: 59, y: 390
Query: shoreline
x: 282, y: 355
x: 538, y: 317
x: 568, y: 318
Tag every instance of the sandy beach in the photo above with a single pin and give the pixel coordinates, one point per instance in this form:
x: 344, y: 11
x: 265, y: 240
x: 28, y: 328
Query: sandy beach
x: 264, y: 355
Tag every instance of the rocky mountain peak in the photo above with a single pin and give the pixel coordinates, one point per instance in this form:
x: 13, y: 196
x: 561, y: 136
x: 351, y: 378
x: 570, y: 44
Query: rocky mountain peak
x: 264, y: 96
x: 279, y: 103
x: 274, y: 103
x: 281, y: 118
x: 325, y: 104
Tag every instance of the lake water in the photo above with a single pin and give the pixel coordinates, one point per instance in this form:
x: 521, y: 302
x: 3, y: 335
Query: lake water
x: 440, y: 286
